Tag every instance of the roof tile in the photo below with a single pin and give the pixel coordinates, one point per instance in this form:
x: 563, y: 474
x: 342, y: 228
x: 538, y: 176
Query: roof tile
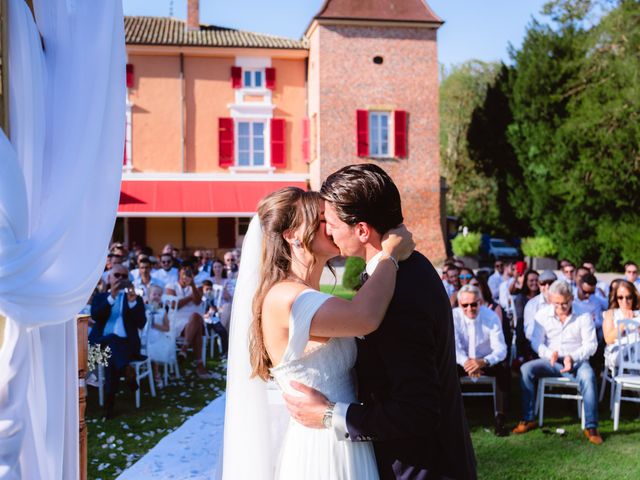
x: 171, y: 31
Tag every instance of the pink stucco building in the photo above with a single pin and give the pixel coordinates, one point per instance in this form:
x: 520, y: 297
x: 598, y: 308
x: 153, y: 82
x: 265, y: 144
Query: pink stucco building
x: 217, y: 118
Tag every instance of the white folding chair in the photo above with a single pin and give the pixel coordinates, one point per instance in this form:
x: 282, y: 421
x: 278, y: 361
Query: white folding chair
x: 628, y: 377
x: 608, y: 374
x: 171, y: 301
x: 142, y: 370
x: 143, y: 367
x: 481, y: 380
x: 558, y: 382
x: 211, y: 336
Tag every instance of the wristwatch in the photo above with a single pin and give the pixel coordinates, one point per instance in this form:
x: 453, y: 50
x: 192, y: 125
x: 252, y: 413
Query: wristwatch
x: 328, y: 415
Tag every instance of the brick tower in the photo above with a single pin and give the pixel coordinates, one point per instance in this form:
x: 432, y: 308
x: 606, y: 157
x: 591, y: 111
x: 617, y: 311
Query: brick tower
x: 373, y: 97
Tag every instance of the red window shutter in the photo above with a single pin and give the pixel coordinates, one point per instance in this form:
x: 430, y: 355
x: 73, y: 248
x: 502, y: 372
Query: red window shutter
x: 226, y: 232
x: 270, y: 78
x: 306, y: 147
x: 130, y: 77
x: 236, y: 77
x: 225, y: 141
x: 278, y: 159
x: 362, y: 127
x: 401, y: 134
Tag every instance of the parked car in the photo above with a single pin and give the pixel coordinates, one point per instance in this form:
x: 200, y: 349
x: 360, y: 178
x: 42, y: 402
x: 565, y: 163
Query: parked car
x: 500, y: 248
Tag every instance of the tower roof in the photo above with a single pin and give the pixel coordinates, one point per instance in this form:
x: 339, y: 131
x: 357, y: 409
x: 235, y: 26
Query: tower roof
x: 378, y: 10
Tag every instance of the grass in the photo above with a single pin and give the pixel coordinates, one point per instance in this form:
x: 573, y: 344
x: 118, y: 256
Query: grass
x: 540, y: 454
x: 114, y: 445
x: 338, y: 291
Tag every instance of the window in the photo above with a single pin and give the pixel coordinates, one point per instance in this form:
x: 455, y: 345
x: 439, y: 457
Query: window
x: 243, y: 226
x: 251, y: 145
x: 379, y: 134
x: 253, y: 78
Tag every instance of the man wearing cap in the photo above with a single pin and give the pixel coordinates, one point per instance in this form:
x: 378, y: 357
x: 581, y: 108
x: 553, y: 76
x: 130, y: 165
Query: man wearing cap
x: 538, y: 302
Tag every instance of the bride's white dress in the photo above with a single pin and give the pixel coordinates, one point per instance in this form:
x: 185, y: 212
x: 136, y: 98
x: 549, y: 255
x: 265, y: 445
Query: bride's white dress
x: 317, y: 454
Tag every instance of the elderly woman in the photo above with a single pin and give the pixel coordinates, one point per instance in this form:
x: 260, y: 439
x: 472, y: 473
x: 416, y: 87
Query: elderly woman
x: 623, y: 305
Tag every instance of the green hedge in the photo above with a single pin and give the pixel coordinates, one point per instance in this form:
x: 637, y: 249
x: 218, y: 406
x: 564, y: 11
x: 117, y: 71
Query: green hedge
x: 352, y: 270
x: 538, y: 247
x: 466, y: 246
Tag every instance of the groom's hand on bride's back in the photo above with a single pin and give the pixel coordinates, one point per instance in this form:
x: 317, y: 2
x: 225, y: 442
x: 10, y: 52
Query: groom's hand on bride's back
x: 398, y: 242
x: 307, y: 409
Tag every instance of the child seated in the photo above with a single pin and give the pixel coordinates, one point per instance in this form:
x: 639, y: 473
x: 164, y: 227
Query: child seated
x: 161, y: 344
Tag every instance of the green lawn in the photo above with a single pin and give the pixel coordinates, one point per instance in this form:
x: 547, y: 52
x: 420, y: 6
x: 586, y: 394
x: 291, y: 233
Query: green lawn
x: 541, y: 454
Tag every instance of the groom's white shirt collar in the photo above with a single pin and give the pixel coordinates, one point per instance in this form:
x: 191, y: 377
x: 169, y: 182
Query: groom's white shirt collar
x: 373, y: 263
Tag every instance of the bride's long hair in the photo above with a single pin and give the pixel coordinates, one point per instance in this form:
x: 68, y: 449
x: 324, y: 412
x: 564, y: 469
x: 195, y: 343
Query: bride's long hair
x: 286, y: 209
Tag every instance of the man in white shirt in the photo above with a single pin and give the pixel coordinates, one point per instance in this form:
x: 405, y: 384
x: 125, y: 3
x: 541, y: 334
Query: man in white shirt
x: 564, y: 341
x: 538, y: 302
x: 505, y: 299
x: 167, y: 273
x: 631, y: 274
x: 145, y: 280
x: 481, y: 349
x: 586, y: 301
x: 496, y: 279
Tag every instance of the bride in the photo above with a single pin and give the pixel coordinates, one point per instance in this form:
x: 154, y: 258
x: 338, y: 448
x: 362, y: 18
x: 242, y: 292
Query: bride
x: 283, y: 328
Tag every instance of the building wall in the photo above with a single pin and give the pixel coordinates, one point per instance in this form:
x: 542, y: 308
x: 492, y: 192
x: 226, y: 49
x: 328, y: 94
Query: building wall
x: 349, y: 80
x: 161, y: 231
x: 156, y: 143
x: 159, y: 111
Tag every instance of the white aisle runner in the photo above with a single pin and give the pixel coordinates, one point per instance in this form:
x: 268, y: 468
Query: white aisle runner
x: 190, y: 452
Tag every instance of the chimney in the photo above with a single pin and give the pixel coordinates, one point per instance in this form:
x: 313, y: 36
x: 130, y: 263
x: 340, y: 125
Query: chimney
x: 193, y: 14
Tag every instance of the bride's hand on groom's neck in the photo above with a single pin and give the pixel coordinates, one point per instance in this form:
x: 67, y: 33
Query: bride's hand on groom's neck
x: 398, y: 243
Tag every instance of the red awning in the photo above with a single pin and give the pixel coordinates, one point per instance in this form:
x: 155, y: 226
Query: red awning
x: 194, y: 198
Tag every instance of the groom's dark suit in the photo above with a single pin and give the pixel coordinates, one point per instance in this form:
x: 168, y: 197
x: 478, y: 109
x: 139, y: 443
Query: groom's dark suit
x: 407, y: 381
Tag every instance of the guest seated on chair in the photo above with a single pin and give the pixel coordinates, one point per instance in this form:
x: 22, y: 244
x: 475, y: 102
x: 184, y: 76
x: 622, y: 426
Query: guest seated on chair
x: 145, y: 280
x: 623, y: 305
x: 118, y: 315
x: 161, y: 344
x: 213, y: 302
x: 564, y: 341
x: 480, y: 347
x: 188, y: 319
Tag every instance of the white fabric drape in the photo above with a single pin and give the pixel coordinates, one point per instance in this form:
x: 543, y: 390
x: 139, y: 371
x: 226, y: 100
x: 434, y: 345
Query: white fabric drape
x: 59, y: 185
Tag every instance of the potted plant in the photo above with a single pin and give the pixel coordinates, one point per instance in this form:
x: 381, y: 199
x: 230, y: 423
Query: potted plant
x: 541, y: 251
x: 466, y: 247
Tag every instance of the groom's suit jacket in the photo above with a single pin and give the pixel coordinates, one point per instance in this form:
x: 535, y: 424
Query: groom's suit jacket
x: 408, y: 385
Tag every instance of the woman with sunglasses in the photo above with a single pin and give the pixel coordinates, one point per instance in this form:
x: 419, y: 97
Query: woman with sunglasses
x: 623, y: 305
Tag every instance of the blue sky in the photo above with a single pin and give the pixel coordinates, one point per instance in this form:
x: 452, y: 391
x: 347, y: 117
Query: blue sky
x: 474, y: 29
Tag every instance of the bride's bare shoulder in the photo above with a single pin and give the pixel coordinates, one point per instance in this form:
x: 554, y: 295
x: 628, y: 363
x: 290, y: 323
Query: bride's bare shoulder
x: 279, y: 299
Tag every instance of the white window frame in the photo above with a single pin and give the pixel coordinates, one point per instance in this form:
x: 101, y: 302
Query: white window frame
x: 266, y: 133
x: 253, y: 72
x: 376, y: 115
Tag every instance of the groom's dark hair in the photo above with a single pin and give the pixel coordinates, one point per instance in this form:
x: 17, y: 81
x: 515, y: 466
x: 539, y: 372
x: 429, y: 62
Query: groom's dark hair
x: 364, y: 193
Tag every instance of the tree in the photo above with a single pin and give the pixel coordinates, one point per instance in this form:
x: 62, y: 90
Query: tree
x: 472, y: 195
x: 575, y: 102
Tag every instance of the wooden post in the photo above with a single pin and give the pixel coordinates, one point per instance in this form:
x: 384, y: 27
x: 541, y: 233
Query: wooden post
x: 83, y: 346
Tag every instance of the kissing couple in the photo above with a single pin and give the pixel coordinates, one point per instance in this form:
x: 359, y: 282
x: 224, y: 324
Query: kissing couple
x: 370, y: 384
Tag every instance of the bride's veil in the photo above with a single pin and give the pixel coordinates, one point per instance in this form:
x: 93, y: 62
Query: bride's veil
x: 250, y: 451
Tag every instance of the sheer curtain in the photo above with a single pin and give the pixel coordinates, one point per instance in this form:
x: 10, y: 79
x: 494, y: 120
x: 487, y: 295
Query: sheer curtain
x: 59, y: 186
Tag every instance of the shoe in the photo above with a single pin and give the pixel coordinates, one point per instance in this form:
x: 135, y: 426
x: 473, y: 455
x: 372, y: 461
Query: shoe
x: 203, y: 374
x: 524, y: 427
x: 593, y: 435
x: 92, y: 380
x: 159, y: 383
x: 500, y: 430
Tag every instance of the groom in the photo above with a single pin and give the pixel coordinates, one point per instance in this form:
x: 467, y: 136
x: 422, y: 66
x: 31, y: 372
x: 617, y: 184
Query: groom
x: 411, y: 404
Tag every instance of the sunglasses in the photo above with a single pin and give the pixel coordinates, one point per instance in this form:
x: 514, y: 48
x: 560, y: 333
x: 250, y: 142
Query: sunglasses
x: 628, y: 298
x: 120, y: 275
x: 467, y: 305
x: 465, y: 276
x: 544, y: 284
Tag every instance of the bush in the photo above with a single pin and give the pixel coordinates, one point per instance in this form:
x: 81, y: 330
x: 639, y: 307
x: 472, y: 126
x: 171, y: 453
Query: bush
x: 352, y: 270
x: 538, y: 247
x: 466, y: 246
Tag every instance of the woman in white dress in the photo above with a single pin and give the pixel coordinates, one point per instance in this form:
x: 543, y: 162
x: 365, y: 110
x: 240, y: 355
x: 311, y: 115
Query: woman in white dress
x: 298, y: 333
x: 161, y: 343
